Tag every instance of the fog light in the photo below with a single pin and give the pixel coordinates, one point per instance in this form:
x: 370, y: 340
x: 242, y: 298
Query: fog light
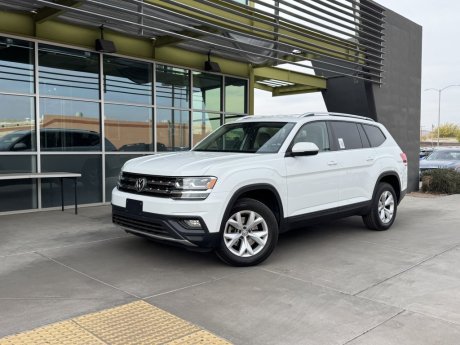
x: 192, y: 223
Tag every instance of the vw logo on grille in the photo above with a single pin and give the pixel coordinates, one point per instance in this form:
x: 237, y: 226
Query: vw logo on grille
x: 140, y: 184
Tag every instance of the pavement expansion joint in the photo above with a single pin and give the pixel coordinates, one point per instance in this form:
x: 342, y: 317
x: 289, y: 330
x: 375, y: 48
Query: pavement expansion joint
x: 129, y: 324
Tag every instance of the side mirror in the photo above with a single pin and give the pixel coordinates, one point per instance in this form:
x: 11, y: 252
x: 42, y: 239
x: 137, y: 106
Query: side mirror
x: 304, y: 149
x: 19, y: 147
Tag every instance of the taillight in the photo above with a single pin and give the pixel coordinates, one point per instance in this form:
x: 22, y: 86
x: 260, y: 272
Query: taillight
x: 404, y: 158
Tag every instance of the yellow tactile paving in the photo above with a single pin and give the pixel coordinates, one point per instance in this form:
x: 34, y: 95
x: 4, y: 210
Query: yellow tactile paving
x: 61, y: 333
x: 135, y: 323
x: 199, y: 338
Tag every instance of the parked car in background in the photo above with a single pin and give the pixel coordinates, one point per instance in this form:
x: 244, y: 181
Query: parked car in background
x: 441, y: 158
x: 425, y: 152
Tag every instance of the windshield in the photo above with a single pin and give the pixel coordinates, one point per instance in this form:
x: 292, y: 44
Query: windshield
x: 444, y: 156
x: 8, y: 139
x: 247, y: 137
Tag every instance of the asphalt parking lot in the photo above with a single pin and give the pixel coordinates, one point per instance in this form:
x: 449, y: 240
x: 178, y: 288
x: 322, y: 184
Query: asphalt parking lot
x: 334, y: 283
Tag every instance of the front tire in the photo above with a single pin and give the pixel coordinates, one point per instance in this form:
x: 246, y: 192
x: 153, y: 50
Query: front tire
x: 249, y: 234
x: 383, y: 208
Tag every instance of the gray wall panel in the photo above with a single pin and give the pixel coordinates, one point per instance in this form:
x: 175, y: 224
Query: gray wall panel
x: 396, y: 103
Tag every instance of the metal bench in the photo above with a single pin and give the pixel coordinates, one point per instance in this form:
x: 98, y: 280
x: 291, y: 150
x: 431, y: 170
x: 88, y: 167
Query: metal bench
x: 47, y: 175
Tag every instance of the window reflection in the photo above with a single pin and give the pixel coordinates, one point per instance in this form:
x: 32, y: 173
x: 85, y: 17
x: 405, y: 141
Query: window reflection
x: 207, y: 91
x: 173, y: 130
x: 89, y: 187
x: 172, y: 87
x: 67, y: 125
x: 18, y: 194
x: 229, y: 118
x: 68, y: 72
x: 16, y: 65
x: 127, y: 80
x: 17, y: 123
x: 235, y: 95
x: 113, y: 164
x: 203, y: 124
x: 128, y: 128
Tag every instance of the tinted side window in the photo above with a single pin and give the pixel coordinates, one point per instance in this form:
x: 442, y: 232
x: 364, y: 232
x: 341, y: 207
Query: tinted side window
x: 375, y: 135
x: 347, y: 135
x: 364, y: 139
x: 315, y: 132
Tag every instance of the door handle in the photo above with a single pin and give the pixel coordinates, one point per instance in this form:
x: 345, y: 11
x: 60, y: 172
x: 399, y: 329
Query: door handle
x: 332, y: 163
x: 370, y: 159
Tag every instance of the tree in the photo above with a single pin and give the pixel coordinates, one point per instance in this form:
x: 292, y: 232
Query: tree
x: 447, y: 130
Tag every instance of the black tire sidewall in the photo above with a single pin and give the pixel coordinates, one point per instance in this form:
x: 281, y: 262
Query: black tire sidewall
x: 383, y: 187
x: 251, y: 205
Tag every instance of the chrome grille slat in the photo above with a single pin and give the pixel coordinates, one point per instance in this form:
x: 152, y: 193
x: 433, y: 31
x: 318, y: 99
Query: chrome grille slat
x: 159, y: 186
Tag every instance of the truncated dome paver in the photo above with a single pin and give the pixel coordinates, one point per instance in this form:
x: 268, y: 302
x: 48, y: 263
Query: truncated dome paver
x: 134, y: 323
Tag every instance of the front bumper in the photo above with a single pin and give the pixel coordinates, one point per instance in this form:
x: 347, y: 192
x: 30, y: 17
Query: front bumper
x: 164, y: 228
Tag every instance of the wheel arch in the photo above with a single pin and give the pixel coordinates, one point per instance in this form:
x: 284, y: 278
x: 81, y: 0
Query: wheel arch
x: 262, y: 192
x: 392, y: 178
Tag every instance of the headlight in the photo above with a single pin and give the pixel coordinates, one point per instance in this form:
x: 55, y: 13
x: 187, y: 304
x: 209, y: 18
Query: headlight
x: 193, y: 188
x: 120, y: 176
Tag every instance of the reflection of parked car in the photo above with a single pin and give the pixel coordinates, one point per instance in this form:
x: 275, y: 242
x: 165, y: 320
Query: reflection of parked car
x: 441, y: 158
x: 54, y: 139
x: 61, y: 139
x: 142, y: 147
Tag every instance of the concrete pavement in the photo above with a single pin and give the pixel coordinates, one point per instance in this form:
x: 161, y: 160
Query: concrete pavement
x: 333, y: 283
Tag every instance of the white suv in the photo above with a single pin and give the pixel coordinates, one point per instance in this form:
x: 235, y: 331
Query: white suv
x: 250, y: 180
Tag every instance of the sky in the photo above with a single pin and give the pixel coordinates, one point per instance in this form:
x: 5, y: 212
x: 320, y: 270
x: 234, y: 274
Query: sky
x: 440, y: 64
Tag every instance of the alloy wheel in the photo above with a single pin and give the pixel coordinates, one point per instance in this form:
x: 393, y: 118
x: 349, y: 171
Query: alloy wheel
x: 245, y: 233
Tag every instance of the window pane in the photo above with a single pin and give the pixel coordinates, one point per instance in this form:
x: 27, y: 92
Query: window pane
x: 69, y: 125
x: 347, y: 135
x: 364, y: 139
x: 18, y: 194
x: 316, y: 133
x: 207, y: 91
x: 127, y: 80
x: 173, y: 87
x: 128, y: 128
x: 68, y: 72
x: 375, y: 135
x: 229, y: 118
x: 173, y: 130
x: 235, y: 95
x: 16, y: 65
x: 203, y: 124
x: 17, y: 123
x: 89, y: 187
x: 113, y: 164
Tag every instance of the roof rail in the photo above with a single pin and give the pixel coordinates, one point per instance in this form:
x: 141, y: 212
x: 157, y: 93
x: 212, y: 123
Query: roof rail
x: 339, y: 114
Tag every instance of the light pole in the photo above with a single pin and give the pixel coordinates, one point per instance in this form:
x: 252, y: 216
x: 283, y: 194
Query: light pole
x: 439, y: 91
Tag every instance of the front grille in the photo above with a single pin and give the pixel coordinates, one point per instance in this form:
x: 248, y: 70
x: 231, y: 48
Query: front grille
x: 151, y: 226
x: 159, y: 186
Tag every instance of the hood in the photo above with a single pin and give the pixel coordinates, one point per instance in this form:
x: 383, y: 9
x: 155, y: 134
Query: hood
x: 438, y: 164
x: 190, y: 163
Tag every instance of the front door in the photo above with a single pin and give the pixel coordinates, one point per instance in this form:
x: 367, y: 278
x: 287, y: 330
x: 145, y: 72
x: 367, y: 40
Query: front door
x: 313, y: 182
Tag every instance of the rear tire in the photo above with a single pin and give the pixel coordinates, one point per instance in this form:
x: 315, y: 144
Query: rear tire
x: 249, y: 234
x: 383, y: 208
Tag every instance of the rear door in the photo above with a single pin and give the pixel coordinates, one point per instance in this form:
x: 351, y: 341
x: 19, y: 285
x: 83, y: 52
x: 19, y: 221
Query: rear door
x: 357, y: 158
x: 313, y: 181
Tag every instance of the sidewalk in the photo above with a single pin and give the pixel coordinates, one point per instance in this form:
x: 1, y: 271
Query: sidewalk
x: 334, y: 283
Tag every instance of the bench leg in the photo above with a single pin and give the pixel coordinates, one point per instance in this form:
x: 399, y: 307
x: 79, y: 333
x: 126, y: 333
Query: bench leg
x: 75, y: 191
x: 62, y: 193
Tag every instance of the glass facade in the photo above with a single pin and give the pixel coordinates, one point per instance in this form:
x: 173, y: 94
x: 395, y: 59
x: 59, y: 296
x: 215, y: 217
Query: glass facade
x: 93, y: 112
